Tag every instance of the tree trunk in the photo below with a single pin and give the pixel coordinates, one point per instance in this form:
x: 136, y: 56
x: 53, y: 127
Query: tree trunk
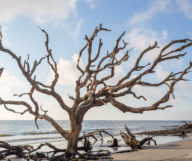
x: 72, y: 141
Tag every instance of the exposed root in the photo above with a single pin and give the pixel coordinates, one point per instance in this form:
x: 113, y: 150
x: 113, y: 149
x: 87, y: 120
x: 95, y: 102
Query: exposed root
x: 28, y: 152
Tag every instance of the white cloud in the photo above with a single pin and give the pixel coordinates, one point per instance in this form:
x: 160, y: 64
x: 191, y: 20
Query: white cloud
x: 67, y: 70
x: 182, y: 93
x: 154, y: 8
x: 161, y: 74
x: 41, y: 11
x: 119, y: 73
x: 8, y: 84
x: 141, y: 38
x: 186, y: 7
x: 152, y: 96
x: 5, y: 39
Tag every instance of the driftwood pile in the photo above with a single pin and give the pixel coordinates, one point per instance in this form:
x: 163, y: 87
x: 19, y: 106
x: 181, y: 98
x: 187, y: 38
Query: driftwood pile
x: 178, y: 131
x: 131, y: 140
x: 99, y: 133
x: 28, y: 152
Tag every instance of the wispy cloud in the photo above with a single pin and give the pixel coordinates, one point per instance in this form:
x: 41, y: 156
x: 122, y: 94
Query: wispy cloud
x: 40, y: 11
x: 186, y: 7
x: 161, y: 74
x: 5, y: 40
x: 67, y: 71
x: 140, y: 37
x: 92, y: 3
x: 73, y: 28
x: 154, y: 8
x: 7, y: 87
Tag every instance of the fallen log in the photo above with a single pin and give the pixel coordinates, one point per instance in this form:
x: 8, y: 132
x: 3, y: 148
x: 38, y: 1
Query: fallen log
x: 131, y: 140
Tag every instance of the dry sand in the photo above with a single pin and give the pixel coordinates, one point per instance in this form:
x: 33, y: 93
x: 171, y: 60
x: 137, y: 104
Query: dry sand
x: 176, y: 151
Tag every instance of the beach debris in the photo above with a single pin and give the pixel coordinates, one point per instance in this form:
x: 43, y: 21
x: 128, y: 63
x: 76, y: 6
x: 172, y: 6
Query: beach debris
x: 84, y: 152
x: 29, y: 153
x: 131, y: 140
x: 99, y: 133
x: 187, y: 125
x: 180, y: 131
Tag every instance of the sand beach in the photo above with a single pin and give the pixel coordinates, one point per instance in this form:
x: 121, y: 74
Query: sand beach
x: 175, y: 151
x: 169, y: 148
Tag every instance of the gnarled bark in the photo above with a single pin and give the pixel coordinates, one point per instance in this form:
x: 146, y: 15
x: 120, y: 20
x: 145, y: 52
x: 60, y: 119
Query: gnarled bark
x: 72, y: 141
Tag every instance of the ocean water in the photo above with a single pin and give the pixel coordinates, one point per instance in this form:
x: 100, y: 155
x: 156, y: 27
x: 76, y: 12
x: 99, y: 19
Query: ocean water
x: 17, y: 132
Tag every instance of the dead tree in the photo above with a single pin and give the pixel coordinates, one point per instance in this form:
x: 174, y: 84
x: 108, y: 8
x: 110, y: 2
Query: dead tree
x: 99, y: 91
x: 131, y: 140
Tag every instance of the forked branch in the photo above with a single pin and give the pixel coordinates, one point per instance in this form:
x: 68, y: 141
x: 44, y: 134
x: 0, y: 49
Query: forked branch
x: 96, y: 78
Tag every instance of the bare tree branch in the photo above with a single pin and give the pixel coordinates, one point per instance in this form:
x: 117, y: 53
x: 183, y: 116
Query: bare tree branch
x: 12, y: 110
x: 94, y: 86
x: 157, y: 104
x: 29, y: 109
x: 108, y: 93
x: 27, y: 73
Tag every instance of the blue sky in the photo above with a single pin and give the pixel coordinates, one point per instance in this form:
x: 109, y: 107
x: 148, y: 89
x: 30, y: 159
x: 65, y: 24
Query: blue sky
x: 68, y: 21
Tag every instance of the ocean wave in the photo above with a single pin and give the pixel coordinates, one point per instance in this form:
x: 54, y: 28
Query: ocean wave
x: 5, y: 135
x: 40, y: 132
x: 34, y: 139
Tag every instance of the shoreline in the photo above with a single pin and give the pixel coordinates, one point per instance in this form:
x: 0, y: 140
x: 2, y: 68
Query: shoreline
x: 173, y: 151
x: 169, y: 148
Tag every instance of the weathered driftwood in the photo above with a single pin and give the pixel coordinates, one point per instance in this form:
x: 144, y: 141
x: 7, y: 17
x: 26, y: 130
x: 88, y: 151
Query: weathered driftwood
x: 178, y: 131
x: 131, y: 140
x: 28, y: 152
x: 99, y: 133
